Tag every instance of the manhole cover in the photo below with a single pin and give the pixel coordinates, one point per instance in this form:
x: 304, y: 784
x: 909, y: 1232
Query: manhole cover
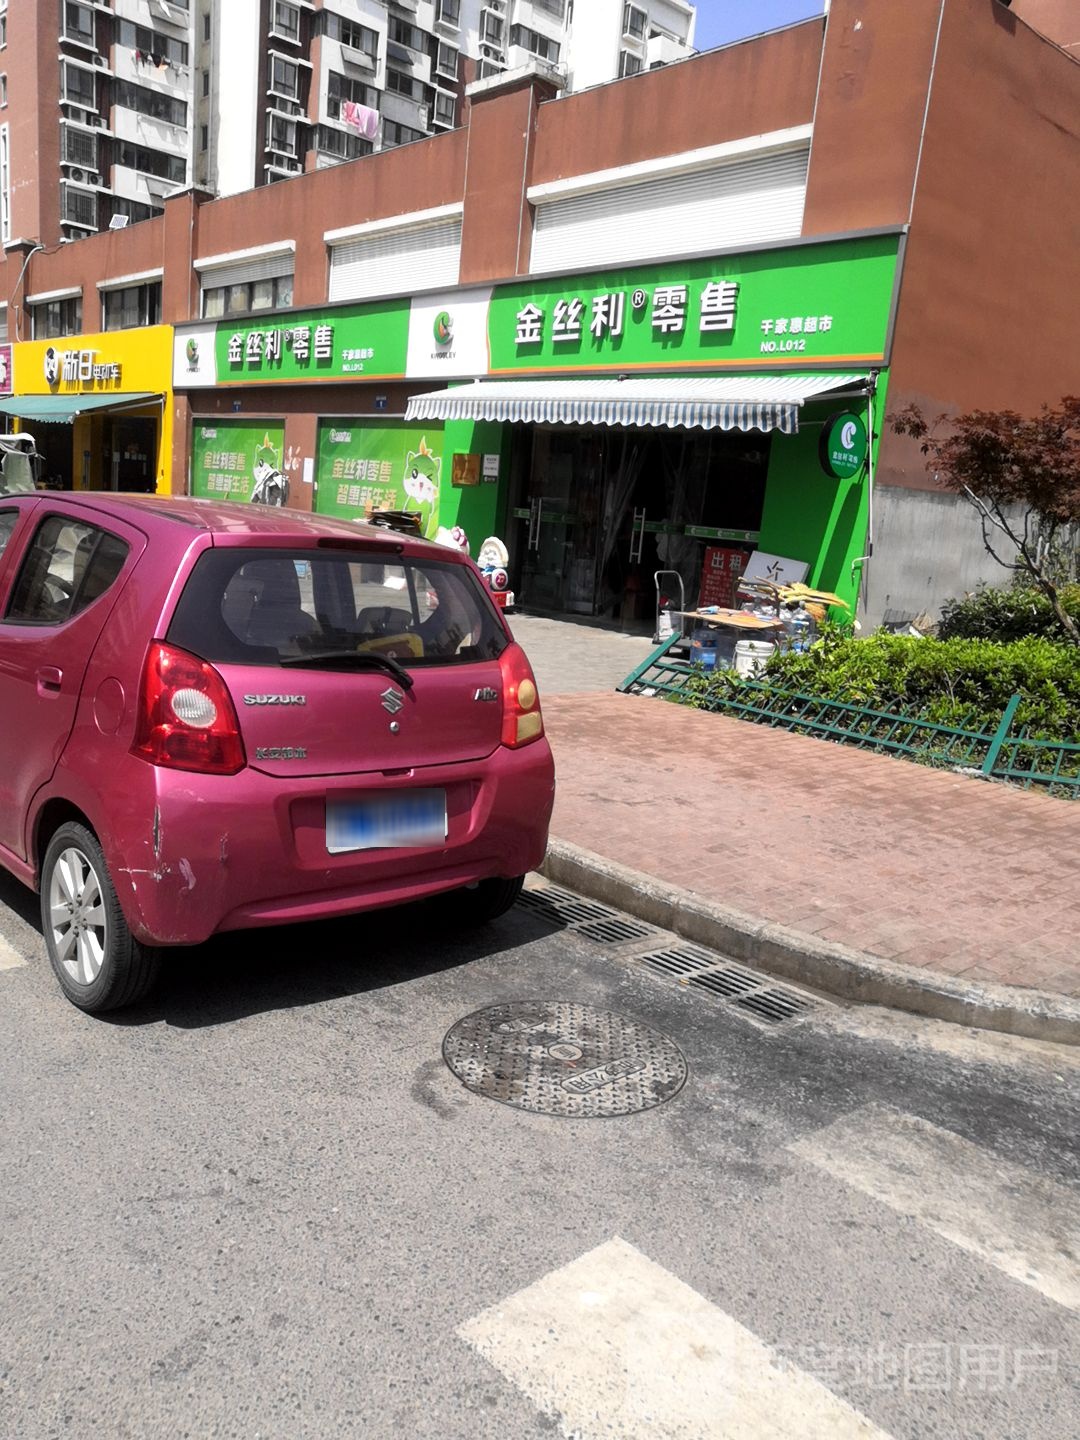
x: 558, y: 1058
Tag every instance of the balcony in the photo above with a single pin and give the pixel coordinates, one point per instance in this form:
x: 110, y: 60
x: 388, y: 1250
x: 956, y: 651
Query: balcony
x: 665, y: 50
x: 359, y: 59
x: 403, y: 111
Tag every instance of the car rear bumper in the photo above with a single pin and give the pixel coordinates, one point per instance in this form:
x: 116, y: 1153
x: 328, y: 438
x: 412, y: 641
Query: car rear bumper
x: 238, y: 852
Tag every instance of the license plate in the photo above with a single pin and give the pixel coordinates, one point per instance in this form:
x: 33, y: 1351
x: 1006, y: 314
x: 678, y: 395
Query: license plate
x: 399, y: 821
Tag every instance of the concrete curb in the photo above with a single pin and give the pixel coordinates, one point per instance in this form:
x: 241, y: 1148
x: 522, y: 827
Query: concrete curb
x: 835, y: 969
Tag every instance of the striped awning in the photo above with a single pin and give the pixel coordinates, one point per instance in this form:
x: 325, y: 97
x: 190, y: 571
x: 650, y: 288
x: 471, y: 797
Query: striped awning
x: 720, y: 402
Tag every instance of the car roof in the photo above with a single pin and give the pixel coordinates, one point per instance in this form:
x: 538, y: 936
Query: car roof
x: 238, y: 519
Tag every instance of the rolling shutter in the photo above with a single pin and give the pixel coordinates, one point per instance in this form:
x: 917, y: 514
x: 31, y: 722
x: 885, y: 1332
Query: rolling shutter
x: 392, y: 262
x: 243, y: 272
x: 748, y: 202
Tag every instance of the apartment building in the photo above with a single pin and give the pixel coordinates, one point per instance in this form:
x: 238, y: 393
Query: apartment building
x: 136, y: 100
x: 653, y: 324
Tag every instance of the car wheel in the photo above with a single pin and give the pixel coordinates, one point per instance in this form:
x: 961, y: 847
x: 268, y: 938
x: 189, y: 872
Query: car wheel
x: 487, y: 900
x: 98, y: 962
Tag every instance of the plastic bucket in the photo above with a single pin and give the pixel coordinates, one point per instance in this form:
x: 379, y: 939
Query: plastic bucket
x: 703, y: 648
x: 750, y: 656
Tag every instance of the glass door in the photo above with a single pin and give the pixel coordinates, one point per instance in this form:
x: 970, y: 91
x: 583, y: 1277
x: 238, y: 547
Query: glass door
x: 557, y: 522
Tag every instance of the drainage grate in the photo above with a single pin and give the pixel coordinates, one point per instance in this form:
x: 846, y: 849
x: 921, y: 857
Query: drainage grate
x: 757, y: 995
x: 561, y: 1058
x: 727, y: 982
x: 679, y: 961
x: 776, y: 1006
x: 614, y: 931
x: 562, y: 906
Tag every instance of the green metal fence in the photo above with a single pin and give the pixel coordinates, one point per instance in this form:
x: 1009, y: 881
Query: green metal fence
x: 1001, y: 753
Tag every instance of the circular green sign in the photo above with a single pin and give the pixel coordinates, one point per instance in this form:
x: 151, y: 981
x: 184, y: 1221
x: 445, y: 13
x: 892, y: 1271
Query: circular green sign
x: 843, y: 445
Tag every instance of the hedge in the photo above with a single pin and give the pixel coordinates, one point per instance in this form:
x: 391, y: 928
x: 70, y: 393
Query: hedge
x: 1010, y: 614
x: 962, y: 683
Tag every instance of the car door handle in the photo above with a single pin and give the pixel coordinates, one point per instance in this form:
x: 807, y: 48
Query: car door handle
x: 49, y: 679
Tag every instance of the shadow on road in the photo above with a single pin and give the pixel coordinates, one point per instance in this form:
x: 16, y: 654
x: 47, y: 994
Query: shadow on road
x: 282, y: 967
x: 250, y: 972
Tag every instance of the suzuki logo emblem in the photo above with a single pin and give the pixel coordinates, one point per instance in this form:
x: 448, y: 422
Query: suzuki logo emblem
x: 392, y: 700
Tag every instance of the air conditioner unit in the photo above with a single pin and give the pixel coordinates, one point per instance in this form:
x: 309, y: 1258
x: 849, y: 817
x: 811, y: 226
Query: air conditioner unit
x: 77, y: 176
x: 92, y: 179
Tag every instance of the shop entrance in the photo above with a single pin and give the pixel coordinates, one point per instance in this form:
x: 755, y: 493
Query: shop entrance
x: 128, y: 453
x: 599, y: 510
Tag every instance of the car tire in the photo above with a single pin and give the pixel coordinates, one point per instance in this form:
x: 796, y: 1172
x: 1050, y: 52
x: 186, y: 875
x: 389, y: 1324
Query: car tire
x: 477, y: 904
x: 98, y: 962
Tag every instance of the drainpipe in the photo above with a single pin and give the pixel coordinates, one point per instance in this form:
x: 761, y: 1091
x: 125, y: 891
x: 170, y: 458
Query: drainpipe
x: 37, y: 245
x: 864, y: 560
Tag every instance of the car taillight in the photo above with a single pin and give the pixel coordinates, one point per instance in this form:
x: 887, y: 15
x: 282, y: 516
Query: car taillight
x: 522, y: 720
x: 186, y: 717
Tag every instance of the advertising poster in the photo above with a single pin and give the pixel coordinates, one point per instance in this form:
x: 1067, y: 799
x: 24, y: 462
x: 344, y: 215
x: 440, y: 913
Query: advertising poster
x: 363, y: 467
x: 239, y: 460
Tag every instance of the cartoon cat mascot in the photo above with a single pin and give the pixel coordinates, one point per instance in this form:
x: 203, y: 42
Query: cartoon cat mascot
x: 422, y: 488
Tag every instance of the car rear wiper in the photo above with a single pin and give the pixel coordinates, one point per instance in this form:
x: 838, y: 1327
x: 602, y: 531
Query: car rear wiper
x: 360, y: 659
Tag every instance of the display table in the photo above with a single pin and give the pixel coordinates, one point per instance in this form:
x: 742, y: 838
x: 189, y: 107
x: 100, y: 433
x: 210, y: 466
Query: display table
x: 734, y: 620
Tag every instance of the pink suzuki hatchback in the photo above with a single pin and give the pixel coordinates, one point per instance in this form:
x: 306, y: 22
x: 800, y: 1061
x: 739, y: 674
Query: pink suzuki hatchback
x: 215, y: 717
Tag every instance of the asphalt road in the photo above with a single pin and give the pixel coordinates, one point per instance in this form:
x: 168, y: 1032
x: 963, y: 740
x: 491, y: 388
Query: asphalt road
x: 264, y: 1207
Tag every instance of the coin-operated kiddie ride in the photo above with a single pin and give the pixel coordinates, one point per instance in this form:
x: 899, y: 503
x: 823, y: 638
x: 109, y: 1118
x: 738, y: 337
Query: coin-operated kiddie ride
x: 493, y: 560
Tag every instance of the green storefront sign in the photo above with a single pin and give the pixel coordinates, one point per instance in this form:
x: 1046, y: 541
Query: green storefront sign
x: 804, y: 305
x: 234, y: 459
x: 843, y: 447
x: 355, y: 342
x: 363, y: 467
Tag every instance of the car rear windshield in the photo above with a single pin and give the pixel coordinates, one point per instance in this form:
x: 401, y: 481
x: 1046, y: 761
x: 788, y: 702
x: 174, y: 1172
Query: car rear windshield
x: 261, y: 607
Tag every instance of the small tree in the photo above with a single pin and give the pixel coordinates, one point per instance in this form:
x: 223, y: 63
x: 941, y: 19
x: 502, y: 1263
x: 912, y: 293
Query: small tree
x: 1023, y: 478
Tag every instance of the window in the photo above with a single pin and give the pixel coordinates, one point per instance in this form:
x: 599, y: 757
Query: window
x: 283, y: 135
x: 532, y: 40
x: 553, y: 7
x: 402, y: 84
x: 3, y: 31
x: 445, y: 108
x: 629, y: 64
x: 78, y: 207
x: 152, y: 45
x: 8, y: 519
x: 487, y: 68
x: 491, y: 28
x: 241, y: 603
x: 284, y: 77
x: 448, y: 12
x: 359, y: 37
x: 329, y: 141
x: 151, y: 162
x: 204, y: 137
x: 52, y: 318
x: 395, y: 134
x: 206, y: 24
x: 285, y: 20
x: 78, y: 23
x: 406, y: 34
x: 343, y: 87
x: 69, y: 565
x: 149, y: 102
x: 3, y: 91
x: 133, y: 306
x: 78, y: 148
x: 634, y: 21
x: 206, y: 82
x: 79, y: 86
x: 446, y: 61
x: 5, y: 183
x: 133, y: 209
x: 244, y: 296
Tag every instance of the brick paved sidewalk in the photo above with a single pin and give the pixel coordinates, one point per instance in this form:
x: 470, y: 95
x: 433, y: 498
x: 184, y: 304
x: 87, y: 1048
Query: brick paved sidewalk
x: 930, y: 869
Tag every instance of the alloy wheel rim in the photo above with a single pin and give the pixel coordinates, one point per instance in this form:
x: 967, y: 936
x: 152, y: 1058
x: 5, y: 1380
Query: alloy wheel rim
x: 77, y: 916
